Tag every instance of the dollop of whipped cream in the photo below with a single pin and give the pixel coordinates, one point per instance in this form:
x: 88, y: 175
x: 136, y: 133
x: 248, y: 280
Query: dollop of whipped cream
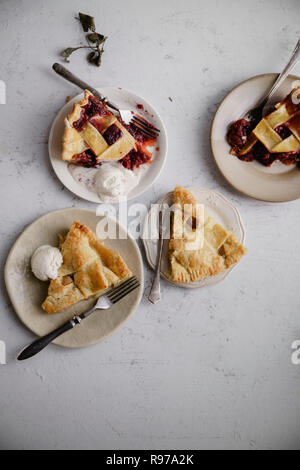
x: 45, y: 262
x: 113, y: 182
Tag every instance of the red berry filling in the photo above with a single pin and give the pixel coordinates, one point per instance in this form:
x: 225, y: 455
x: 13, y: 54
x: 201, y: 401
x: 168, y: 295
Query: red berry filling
x: 94, y: 107
x: 237, y: 137
x: 134, y: 159
x: 112, y: 134
x: 87, y: 159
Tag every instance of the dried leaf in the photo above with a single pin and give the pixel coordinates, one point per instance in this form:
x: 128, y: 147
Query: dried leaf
x: 96, y: 38
x: 87, y: 22
x: 67, y: 52
x: 95, y: 58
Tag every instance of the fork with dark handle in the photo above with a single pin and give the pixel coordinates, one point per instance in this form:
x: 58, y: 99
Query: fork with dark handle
x: 154, y: 295
x: 126, y: 115
x: 103, y: 303
x: 70, y: 77
x: 260, y: 110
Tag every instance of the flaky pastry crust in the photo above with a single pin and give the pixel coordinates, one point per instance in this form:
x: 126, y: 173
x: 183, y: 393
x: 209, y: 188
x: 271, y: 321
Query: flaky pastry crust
x: 220, y: 249
x: 88, y: 269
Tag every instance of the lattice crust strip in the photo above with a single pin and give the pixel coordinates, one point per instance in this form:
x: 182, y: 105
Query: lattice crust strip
x: 91, y: 136
x: 286, y: 113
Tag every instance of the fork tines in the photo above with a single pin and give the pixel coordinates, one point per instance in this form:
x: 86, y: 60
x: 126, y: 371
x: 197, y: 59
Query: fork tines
x: 145, y: 127
x: 124, y: 289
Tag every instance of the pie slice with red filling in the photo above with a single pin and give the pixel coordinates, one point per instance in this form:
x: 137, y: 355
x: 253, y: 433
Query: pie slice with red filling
x: 94, y: 135
x: 91, y: 130
x: 275, y: 137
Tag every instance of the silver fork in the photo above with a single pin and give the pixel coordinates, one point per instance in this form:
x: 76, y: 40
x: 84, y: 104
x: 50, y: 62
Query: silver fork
x: 103, y: 303
x: 125, y: 114
x: 154, y: 295
x: 261, y: 109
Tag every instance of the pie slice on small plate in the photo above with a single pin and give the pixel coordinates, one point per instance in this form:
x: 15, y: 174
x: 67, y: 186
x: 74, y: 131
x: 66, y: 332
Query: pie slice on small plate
x: 219, y: 241
x: 276, y: 183
x: 86, y: 133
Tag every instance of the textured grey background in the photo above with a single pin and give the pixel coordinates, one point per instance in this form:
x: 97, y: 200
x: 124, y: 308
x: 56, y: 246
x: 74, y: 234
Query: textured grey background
x: 204, y: 369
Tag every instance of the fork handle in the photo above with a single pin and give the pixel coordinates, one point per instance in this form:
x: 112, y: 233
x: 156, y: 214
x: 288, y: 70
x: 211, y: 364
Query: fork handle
x: 70, y: 77
x: 154, y: 295
x: 41, y: 343
x: 291, y: 64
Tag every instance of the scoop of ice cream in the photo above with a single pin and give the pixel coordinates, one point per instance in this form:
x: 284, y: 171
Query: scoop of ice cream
x: 113, y: 181
x: 45, y: 262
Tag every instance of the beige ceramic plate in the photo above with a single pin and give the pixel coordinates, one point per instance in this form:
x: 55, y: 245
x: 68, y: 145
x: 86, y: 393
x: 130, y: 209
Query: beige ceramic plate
x: 279, y: 183
x: 27, y: 293
x: 217, y: 207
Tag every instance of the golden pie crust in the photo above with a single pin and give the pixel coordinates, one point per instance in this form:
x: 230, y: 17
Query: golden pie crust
x: 219, y: 250
x: 286, y: 112
x: 90, y: 137
x: 88, y: 269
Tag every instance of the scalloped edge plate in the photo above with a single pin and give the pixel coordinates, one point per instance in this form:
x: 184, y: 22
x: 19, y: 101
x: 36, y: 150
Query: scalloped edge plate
x: 218, y: 207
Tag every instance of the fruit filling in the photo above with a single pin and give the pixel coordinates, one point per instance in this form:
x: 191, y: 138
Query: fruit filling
x: 93, y: 108
x: 240, y: 131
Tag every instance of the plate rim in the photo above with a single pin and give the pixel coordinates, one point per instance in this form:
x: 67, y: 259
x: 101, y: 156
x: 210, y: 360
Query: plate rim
x: 192, y: 285
x: 11, y: 296
x: 163, y: 158
x: 254, y: 77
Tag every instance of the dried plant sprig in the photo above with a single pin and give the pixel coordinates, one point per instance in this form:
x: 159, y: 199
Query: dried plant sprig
x: 95, y: 41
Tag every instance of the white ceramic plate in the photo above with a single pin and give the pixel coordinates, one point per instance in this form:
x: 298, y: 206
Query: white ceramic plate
x: 27, y: 293
x: 217, y: 207
x: 278, y: 183
x: 125, y: 100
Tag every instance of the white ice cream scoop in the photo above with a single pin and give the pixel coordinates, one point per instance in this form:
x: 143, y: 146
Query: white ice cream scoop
x: 113, y: 181
x: 45, y: 262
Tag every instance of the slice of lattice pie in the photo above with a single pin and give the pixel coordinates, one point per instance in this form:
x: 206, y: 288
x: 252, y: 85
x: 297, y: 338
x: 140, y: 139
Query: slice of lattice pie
x: 89, y: 268
x: 287, y: 113
x: 219, y: 249
x: 93, y: 134
x: 275, y: 137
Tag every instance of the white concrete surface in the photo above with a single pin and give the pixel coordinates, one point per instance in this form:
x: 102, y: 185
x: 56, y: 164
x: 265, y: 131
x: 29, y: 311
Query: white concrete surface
x: 204, y: 369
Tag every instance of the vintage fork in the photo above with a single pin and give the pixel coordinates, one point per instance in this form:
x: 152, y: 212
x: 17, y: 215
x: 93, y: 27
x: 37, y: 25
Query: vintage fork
x: 103, y: 303
x: 154, y: 295
x: 261, y: 109
x: 125, y: 114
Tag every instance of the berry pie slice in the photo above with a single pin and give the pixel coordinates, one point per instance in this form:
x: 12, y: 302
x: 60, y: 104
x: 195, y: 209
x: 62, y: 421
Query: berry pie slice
x: 93, y: 134
x: 275, y: 137
x: 88, y: 269
x: 216, y: 249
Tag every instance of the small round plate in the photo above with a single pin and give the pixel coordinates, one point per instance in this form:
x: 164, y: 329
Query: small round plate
x: 278, y: 183
x: 125, y: 100
x: 27, y: 293
x: 217, y: 207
